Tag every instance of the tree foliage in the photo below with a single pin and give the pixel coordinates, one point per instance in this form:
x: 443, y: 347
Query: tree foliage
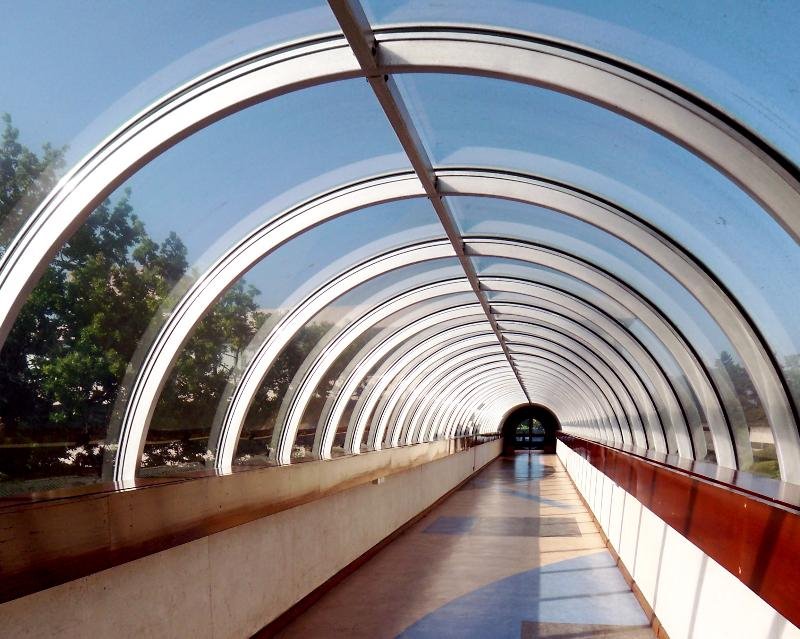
x: 67, y: 354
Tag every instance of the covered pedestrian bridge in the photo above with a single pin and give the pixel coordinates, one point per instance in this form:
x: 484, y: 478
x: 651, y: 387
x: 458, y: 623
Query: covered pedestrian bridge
x: 279, y: 283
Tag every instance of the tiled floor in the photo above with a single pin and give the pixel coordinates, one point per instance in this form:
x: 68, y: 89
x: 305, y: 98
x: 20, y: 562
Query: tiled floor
x: 513, y: 554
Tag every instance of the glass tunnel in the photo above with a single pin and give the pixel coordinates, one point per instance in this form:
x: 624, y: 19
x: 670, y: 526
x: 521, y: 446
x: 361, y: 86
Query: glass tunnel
x: 297, y: 231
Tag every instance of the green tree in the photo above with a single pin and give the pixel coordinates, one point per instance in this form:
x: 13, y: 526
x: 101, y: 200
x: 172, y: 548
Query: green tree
x: 212, y: 355
x: 261, y: 418
x: 63, y: 361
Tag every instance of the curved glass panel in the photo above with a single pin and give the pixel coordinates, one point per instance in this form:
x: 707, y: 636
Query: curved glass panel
x: 113, y: 285
x: 511, y: 219
x: 190, y: 402
x: 89, y: 66
x: 523, y: 128
x: 375, y: 373
x: 328, y: 388
x: 488, y: 267
x: 741, y: 56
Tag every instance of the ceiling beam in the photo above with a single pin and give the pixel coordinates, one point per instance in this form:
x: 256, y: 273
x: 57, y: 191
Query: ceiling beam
x: 357, y: 30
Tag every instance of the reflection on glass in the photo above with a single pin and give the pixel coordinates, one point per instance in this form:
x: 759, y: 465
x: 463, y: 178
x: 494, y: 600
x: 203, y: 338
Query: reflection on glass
x: 91, y: 66
x: 117, y: 278
x: 721, y: 55
x: 300, y: 266
x: 742, y: 405
x: 385, y: 289
x: 471, y: 121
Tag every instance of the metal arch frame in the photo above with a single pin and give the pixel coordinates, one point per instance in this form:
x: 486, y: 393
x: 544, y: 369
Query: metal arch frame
x: 569, y: 411
x: 449, y: 318
x: 602, y: 281
x: 655, y: 245
x: 463, y: 362
x: 404, y: 400
x: 306, y: 380
x: 240, y: 83
x: 408, y: 189
x: 386, y: 375
x: 593, y: 362
x: 749, y: 161
x: 260, y: 364
x: 482, y: 390
x: 409, y: 402
x: 373, y: 352
x: 225, y: 271
x: 356, y: 379
x: 433, y: 349
x: 486, y: 380
x: 419, y: 367
x: 474, y: 404
x: 424, y: 320
x: 474, y: 413
x: 492, y: 422
x: 234, y: 405
x: 674, y: 112
x: 612, y: 287
x: 488, y: 370
x: 532, y: 320
x: 316, y: 364
x: 354, y: 373
x: 412, y: 321
x: 439, y: 392
x: 500, y: 391
x: 479, y: 407
x: 598, y: 317
x: 223, y: 442
x: 606, y: 283
x: 371, y: 398
x: 437, y: 411
x: 397, y: 406
x: 430, y: 408
x: 482, y: 420
x: 341, y: 344
x: 635, y: 353
x: 413, y: 373
x: 430, y: 348
x: 640, y: 432
x: 644, y: 97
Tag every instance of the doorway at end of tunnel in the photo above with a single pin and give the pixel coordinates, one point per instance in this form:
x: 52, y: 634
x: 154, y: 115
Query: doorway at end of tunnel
x: 530, y: 427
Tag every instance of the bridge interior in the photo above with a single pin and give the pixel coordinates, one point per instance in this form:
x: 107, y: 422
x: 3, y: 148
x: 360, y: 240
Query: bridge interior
x: 277, y: 278
x: 513, y: 553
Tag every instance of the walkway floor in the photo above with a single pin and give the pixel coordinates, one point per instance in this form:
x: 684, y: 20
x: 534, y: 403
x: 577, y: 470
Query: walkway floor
x: 512, y: 554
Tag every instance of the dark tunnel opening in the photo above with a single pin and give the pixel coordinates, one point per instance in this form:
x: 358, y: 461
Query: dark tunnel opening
x: 530, y: 427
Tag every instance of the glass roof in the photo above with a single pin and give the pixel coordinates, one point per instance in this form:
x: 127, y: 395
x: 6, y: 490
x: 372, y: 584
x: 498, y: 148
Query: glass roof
x: 218, y: 251
x: 742, y: 57
x: 81, y: 82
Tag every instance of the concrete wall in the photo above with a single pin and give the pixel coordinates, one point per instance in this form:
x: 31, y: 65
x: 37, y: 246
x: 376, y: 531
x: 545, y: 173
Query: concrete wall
x: 233, y: 583
x: 690, y: 593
